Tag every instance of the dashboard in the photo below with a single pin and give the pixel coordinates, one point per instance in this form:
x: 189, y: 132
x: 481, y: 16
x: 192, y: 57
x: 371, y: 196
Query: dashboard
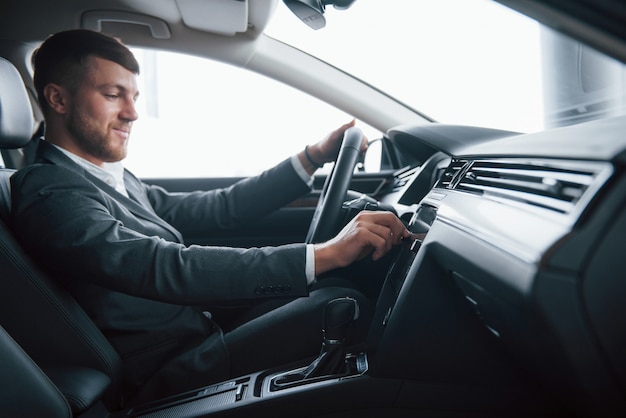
x: 507, y: 303
x: 522, y: 236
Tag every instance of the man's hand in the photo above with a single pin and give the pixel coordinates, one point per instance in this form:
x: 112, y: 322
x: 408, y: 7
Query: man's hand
x: 367, y: 233
x: 327, y: 149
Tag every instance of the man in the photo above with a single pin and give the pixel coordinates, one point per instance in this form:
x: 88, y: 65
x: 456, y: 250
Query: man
x: 117, y: 243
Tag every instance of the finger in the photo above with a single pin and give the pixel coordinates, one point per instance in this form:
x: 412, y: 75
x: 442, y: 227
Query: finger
x: 349, y: 124
x: 338, y: 133
x: 381, y: 238
x: 389, y: 220
x: 401, y: 234
x: 343, y: 128
x: 397, y: 231
x: 365, y: 144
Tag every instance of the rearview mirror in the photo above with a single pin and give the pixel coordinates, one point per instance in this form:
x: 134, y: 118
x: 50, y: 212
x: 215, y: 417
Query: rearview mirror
x: 311, y: 12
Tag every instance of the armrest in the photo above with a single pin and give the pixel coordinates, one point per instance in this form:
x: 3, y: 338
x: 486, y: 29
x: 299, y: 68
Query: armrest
x: 26, y: 390
x: 82, y: 387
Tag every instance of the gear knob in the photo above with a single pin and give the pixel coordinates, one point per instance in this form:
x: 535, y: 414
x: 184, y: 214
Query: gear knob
x: 338, y: 316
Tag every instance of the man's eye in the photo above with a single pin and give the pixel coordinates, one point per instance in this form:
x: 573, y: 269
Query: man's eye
x: 111, y: 96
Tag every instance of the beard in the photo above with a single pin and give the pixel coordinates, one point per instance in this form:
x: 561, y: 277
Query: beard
x: 92, y: 139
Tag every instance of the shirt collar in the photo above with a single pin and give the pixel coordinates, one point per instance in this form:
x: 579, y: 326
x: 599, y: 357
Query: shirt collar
x: 110, y: 173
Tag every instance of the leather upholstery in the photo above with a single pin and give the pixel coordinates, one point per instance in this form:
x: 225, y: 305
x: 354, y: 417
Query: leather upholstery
x: 46, y: 321
x: 26, y: 390
x: 39, y: 315
x: 81, y: 387
x: 16, y: 114
x: 5, y: 193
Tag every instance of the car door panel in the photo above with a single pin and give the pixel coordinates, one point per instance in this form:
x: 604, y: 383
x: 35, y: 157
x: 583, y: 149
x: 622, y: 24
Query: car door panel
x: 286, y: 225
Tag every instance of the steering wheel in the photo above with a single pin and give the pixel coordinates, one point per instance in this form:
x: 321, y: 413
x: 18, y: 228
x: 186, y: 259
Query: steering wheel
x: 327, y: 213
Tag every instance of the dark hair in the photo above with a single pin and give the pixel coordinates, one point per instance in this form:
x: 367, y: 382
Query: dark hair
x: 61, y: 58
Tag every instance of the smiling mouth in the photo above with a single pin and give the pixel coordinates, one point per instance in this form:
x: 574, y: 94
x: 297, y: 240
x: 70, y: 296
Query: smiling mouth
x: 122, y: 131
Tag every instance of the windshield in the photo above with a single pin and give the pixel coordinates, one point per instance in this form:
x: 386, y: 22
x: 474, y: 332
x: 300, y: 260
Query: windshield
x: 472, y: 62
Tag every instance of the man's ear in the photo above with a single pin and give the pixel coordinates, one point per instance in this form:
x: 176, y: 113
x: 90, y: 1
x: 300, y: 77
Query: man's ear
x: 57, y: 97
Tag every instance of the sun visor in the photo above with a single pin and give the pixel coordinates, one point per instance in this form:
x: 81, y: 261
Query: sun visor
x: 225, y: 17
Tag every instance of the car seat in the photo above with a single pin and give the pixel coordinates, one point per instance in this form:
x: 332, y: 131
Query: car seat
x: 42, y: 328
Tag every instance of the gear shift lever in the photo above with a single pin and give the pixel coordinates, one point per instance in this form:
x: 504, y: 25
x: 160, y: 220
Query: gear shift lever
x: 338, y: 317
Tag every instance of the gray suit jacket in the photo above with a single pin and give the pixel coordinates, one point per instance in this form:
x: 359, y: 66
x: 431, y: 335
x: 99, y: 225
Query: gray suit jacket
x: 125, y: 262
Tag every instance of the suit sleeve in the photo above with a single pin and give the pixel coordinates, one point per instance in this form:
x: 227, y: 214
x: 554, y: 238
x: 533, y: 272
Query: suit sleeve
x: 243, y: 202
x: 78, y: 232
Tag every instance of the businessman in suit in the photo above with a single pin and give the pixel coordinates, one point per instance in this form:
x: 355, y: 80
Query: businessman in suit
x: 117, y: 243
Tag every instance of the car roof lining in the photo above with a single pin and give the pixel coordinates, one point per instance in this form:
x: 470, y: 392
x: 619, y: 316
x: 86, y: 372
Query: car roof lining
x: 174, y: 15
x: 598, y: 23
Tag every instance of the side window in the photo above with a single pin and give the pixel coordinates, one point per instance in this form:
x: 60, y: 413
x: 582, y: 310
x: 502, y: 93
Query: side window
x: 201, y: 118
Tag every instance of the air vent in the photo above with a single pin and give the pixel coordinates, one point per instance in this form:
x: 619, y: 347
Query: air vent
x: 402, y: 177
x: 553, y: 185
x: 447, y: 180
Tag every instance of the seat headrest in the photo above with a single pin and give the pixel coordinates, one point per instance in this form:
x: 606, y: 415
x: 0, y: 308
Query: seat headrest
x: 17, y: 123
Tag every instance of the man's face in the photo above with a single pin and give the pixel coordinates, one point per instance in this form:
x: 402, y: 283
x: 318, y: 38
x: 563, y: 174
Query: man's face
x: 102, y: 111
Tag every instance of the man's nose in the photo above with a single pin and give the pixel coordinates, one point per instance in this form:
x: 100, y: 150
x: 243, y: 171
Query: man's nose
x: 129, y: 112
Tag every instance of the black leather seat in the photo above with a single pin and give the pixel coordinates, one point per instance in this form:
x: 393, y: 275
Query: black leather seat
x: 53, y: 332
x: 26, y: 390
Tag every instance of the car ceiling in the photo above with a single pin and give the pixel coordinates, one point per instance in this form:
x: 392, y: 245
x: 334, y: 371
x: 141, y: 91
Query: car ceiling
x: 185, y: 25
x: 601, y: 23
x: 236, y: 38
x: 179, y: 15
x: 248, y: 49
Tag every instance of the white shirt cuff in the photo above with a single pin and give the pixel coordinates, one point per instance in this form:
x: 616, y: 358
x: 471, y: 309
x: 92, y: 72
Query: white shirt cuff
x: 310, y: 265
x: 297, y: 165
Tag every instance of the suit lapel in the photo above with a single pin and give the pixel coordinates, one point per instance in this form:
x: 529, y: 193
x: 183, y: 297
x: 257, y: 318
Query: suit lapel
x: 137, y: 203
x: 135, y: 190
x: 138, y: 197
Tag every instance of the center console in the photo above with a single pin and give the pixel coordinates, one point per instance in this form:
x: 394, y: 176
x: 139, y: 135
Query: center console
x: 335, y: 379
